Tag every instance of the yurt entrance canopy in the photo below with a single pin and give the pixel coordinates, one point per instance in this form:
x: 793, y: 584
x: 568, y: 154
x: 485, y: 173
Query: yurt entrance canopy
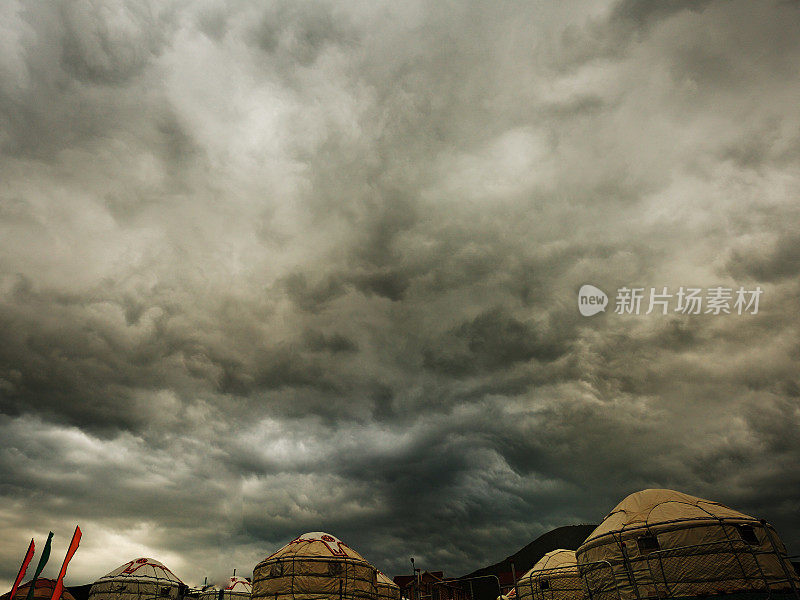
x: 665, y: 544
x: 554, y: 577
x: 315, y: 566
x: 387, y: 589
x: 237, y: 588
x: 139, y: 579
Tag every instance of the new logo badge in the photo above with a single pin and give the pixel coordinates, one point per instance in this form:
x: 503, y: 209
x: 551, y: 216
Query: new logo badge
x: 591, y: 300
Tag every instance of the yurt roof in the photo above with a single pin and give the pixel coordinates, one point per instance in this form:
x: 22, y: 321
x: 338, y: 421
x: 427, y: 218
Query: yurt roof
x: 42, y: 591
x: 656, y: 506
x: 556, y: 559
x: 316, y: 544
x: 239, y: 584
x: 385, y: 581
x: 234, y: 585
x: 143, y: 568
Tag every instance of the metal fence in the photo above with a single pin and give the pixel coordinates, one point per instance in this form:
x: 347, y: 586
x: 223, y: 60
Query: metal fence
x: 709, y: 569
x: 557, y: 583
x: 336, y: 578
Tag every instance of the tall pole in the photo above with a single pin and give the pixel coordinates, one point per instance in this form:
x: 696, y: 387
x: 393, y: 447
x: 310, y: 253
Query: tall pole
x: 413, y: 578
x: 513, y: 576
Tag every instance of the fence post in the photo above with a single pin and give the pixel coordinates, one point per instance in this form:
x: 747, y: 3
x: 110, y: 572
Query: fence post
x: 629, y: 570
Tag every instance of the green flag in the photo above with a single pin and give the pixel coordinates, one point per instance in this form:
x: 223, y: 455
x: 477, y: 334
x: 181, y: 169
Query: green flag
x: 42, y: 562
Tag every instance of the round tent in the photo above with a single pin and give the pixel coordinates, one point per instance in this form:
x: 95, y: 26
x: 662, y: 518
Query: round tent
x: 554, y: 577
x: 237, y: 588
x: 315, y: 566
x: 387, y: 589
x: 43, y: 590
x: 139, y: 579
x: 666, y: 544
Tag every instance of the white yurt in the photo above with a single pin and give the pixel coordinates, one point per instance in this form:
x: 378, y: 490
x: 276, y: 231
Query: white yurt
x: 315, y: 566
x: 236, y: 588
x: 139, y: 579
x: 387, y: 589
x: 665, y: 544
x: 553, y: 577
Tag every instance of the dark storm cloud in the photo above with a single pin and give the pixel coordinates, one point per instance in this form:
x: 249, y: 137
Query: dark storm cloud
x: 490, y: 341
x: 645, y: 13
x: 780, y: 259
x: 109, y: 43
x: 66, y: 53
x: 298, y: 32
x: 267, y: 269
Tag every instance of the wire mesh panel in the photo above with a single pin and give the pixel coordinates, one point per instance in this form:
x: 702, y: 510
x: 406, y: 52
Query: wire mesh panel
x: 134, y: 590
x: 710, y: 569
x: 551, y: 584
x: 701, y: 570
x: 600, y: 581
x: 314, y: 566
x: 223, y: 594
x: 386, y: 588
x: 314, y: 578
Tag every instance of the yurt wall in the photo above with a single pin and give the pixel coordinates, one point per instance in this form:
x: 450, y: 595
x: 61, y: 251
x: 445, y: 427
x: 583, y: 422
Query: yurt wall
x: 386, y: 588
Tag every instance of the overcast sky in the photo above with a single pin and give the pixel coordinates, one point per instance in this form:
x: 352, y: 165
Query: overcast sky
x: 268, y: 268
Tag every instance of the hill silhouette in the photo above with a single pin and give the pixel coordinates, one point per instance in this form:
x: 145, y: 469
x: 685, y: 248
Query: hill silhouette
x: 568, y: 537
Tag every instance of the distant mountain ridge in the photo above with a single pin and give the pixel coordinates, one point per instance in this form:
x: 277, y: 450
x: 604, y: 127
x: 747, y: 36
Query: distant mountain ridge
x: 568, y: 537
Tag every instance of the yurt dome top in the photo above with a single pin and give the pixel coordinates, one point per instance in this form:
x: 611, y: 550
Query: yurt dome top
x: 238, y: 584
x: 234, y: 585
x: 316, y: 544
x: 43, y: 590
x: 147, y: 569
x: 659, y: 506
x: 556, y: 559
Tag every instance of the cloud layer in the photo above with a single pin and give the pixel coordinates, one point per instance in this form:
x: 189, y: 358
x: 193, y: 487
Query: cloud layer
x: 267, y: 269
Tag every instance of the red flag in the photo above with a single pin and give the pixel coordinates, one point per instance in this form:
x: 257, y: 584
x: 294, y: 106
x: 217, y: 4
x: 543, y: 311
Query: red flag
x: 24, y: 567
x: 73, y: 546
